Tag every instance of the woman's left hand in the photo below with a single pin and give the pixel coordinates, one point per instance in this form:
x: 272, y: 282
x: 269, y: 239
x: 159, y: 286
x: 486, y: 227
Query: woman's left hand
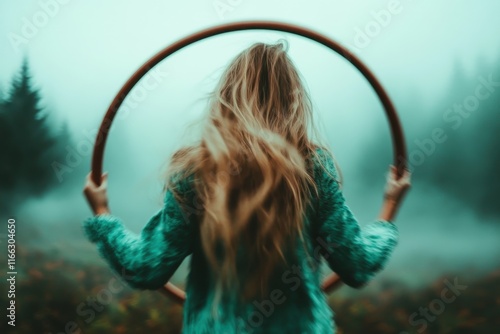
x: 97, y: 195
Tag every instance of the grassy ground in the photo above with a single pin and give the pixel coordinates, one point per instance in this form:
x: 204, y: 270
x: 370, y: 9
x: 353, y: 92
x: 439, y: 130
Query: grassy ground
x: 58, y: 296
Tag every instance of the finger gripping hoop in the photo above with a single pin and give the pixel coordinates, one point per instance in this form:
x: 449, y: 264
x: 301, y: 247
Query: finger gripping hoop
x: 399, y: 147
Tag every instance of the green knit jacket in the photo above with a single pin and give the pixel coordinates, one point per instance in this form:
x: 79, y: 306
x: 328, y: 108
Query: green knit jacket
x: 295, y: 302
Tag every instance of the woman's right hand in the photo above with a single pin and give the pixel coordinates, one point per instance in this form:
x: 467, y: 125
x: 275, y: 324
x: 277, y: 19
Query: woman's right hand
x: 396, y: 188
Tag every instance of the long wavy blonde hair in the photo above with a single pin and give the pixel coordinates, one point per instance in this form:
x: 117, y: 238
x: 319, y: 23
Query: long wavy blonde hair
x: 252, y: 167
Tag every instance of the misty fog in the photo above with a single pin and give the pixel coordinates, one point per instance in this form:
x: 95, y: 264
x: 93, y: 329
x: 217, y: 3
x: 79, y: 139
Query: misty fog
x: 428, y: 56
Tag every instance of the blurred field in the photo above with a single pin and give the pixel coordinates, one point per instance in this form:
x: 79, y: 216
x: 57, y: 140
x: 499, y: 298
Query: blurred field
x: 53, y: 292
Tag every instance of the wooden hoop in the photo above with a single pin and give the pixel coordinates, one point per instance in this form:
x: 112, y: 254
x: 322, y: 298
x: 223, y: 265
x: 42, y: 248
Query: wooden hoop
x: 399, y: 146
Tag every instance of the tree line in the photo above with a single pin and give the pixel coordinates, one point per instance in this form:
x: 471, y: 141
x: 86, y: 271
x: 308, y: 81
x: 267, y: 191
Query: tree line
x: 30, y: 141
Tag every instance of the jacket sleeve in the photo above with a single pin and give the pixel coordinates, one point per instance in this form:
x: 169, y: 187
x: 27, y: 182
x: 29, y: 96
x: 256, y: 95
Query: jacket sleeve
x: 355, y: 254
x: 148, y: 260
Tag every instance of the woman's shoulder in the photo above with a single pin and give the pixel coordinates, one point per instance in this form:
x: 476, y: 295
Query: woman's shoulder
x: 182, y: 183
x: 324, y: 162
x: 327, y: 178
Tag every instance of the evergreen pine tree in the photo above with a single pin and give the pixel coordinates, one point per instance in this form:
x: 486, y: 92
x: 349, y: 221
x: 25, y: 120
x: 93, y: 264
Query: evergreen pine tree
x: 6, y: 148
x: 29, y: 144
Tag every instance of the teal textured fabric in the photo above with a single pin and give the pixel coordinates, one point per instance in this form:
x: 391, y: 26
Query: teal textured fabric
x: 296, y: 303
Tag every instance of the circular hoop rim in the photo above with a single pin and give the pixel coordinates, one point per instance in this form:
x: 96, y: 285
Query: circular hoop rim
x: 399, y: 147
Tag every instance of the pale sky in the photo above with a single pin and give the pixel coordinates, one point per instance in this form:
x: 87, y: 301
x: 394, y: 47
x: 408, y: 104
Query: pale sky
x: 81, y: 52
x: 79, y: 45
